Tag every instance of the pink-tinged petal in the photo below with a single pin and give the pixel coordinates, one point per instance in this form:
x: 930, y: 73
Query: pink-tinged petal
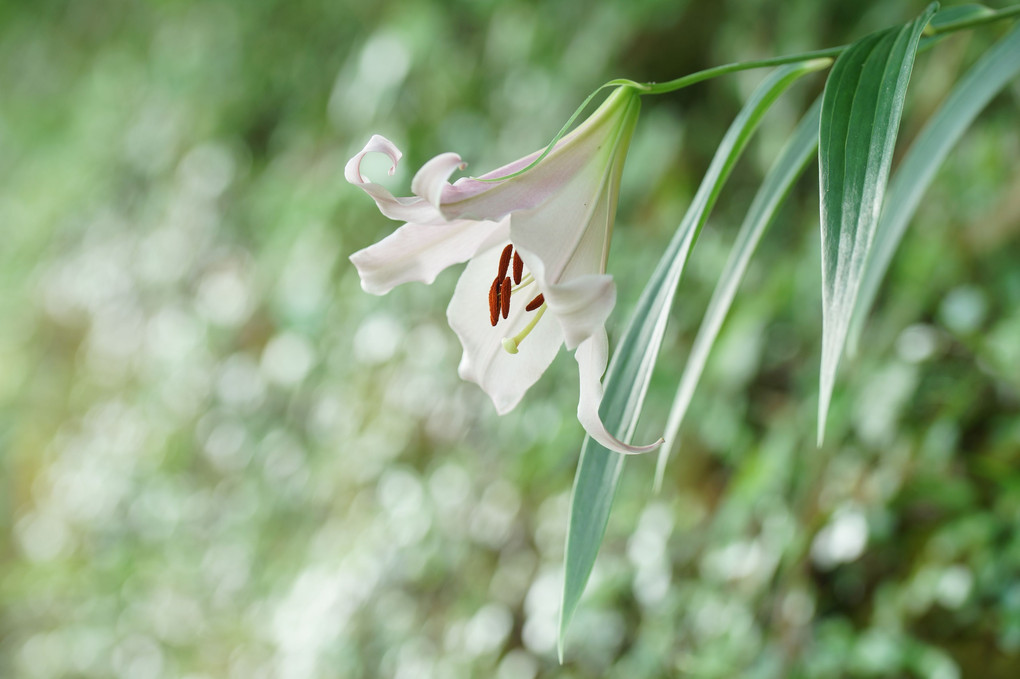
x: 468, y: 187
x: 606, y: 131
x: 565, y: 229
x: 434, y: 176
x: 377, y: 144
x: 581, y: 305
x: 504, y: 377
x: 592, y: 357
x: 474, y: 199
x: 418, y: 252
x: 571, y: 231
x: 415, y: 209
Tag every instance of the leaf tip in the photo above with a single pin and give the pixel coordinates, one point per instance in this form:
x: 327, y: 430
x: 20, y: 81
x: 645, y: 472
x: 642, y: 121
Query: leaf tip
x: 561, y: 635
x: 818, y: 64
x: 824, y: 397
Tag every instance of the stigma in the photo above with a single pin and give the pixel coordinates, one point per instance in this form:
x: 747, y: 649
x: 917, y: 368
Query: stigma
x: 512, y: 344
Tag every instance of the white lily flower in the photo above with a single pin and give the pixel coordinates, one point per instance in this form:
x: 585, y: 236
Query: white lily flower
x: 536, y: 246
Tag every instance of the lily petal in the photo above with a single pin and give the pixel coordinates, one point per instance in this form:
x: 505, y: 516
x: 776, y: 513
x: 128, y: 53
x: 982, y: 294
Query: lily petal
x: 434, y: 176
x: 419, y: 252
x: 592, y: 357
x: 589, y: 199
x: 413, y: 209
x: 581, y: 305
x: 504, y: 377
x: 583, y: 249
x: 577, y: 152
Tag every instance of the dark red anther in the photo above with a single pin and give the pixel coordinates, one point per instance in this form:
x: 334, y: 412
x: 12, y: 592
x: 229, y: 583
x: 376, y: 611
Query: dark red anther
x: 504, y: 262
x: 518, y: 268
x: 535, y: 303
x: 504, y: 297
x: 494, y: 290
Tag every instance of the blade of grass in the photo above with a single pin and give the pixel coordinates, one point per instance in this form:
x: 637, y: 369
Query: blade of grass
x: 629, y: 373
x: 997, y: 68
x: 785, y: 171
x: 861, y: 109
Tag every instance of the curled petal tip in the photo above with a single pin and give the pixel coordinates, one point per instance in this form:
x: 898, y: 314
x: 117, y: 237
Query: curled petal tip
x: 627, y: 449
x: 381, y: 144
x: 434, y: 176
x: 592, y: 356
x: 377, y: 144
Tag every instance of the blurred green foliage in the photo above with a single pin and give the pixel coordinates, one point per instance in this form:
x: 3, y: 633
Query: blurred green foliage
x: 222, y: 459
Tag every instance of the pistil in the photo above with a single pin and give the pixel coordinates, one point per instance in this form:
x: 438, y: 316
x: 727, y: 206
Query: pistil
x: 528, y: 280
x: 511, y: 344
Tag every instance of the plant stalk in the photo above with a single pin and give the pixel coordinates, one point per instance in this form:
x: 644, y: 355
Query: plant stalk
x: 680, y: 83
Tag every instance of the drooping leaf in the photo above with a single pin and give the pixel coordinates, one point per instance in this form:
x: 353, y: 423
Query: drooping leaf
x: 861, y: 109
x: 790, y: 164
x: 998, y: 66
x: 629, y: 373
x: 956, y: 13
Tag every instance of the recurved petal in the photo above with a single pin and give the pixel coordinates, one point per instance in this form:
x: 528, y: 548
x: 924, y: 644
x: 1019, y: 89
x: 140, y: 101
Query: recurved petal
x: 434, y: 176
x: 589, y: 147
x: 570, y: 232
x: 581, y: 305
x: 504, y: 377
x: 592, y: 357
x: 418, y: 252
x: 474, y: 199
x: 414, y: 209
x: 580, y: 153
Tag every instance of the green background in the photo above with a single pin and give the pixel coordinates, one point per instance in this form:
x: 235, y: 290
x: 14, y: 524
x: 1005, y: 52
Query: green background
x: 220, y: 458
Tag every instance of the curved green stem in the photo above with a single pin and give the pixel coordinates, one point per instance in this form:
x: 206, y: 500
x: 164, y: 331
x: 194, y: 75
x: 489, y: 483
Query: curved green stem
x: 934, y: 33
x: 991, y: 16
x: 949, y: 27
x: 680, y: 83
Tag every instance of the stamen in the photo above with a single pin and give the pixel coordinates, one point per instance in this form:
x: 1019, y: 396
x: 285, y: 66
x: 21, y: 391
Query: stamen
x: 511, y: 344
x: 535, y: 303
x: 494, y: 305
x: 528, y: 280
x: 518, y: 268
x: 504, y: 297
x: 504, y: 262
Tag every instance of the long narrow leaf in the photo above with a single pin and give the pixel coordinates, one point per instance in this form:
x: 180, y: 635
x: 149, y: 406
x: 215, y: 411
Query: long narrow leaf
x: 861, y: 110
x: 629, y: 373
x: 999, y: 66
x: 770, y: 196
x: 955, y: 14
